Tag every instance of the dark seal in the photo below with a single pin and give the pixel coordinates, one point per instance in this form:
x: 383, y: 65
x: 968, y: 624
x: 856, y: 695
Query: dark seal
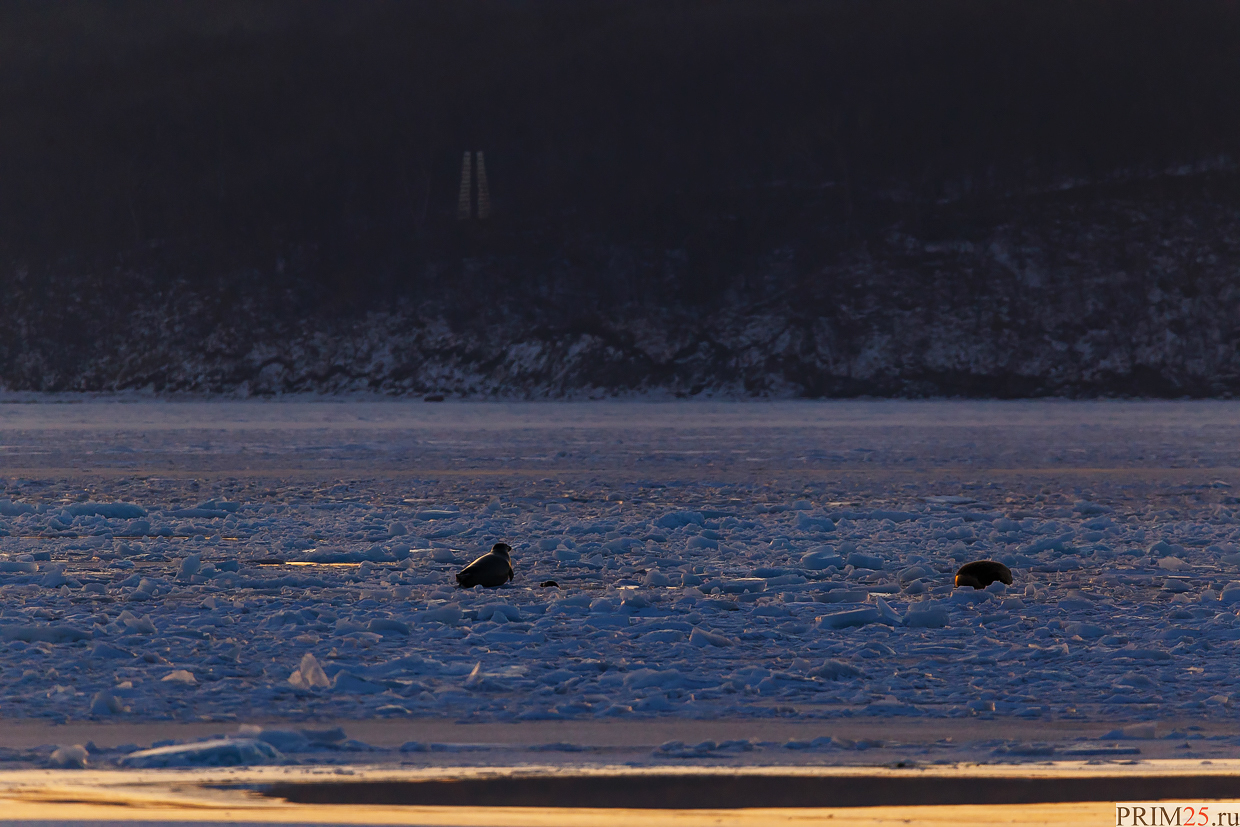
x: 491, y: 570
x: 981, y: 573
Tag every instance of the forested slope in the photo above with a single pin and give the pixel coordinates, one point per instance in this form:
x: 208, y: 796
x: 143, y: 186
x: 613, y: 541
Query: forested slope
x: 793, y: 198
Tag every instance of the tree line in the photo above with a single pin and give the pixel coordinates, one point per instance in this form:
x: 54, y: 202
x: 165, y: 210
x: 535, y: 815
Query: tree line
x: 637, y: 150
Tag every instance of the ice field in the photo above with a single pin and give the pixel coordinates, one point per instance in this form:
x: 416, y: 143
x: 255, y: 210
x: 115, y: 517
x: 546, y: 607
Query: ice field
x: 260, y: 566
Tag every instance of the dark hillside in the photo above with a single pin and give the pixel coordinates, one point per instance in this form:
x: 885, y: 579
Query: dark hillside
x: 891, y: 196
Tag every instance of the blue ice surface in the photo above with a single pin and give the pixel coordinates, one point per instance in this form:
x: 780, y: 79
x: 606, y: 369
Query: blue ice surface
x: 711, y: 558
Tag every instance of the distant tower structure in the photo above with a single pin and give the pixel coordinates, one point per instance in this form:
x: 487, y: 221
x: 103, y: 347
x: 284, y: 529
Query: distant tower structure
x: 468, y: 203
x: 465, y: 196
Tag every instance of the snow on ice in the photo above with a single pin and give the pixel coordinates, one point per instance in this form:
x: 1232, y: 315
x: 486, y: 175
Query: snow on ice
x: 170, y: 561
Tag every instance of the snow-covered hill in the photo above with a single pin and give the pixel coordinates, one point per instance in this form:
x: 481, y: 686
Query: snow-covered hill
x: 1132, y: 290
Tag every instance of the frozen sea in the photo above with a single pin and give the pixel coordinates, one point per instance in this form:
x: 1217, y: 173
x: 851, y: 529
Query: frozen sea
x: 258, y: 567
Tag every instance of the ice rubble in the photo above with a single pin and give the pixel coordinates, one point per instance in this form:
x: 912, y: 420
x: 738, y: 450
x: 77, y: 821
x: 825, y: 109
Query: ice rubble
x: 683, y: 591
x: 740, y: 625
x: 255, y: 745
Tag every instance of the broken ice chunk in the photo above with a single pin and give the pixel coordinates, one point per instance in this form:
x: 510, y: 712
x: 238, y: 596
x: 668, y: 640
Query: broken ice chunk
x: 309, y: 675
x: 220, y: 752
x: 69, y: 757
x: 855, y: 617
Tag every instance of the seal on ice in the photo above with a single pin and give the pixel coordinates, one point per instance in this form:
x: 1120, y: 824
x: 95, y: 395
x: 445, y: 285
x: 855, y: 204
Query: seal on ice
x: 491, y: 570
x: 981, y: 573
